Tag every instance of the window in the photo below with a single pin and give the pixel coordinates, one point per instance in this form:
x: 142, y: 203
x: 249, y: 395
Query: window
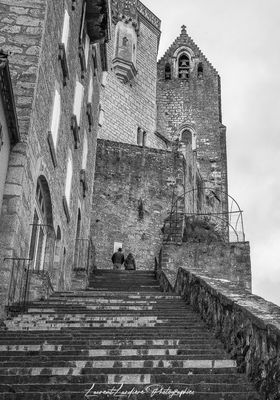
x: 200, y: 70
x: 167, y: 72
x: 84, y: 43
x: 39, y: 234
x: 55, y: 117
x: 63, y: 47
x: 141, y: 137
x: 78, y: 100
x: 188, y: 137
x: 183, y: 66
x: 69, y: 175
x: 65, y: 30
x: 85, y: 151
x: 101, y: 116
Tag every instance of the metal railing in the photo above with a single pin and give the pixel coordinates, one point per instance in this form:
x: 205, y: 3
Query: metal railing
x: 83, y: 254
x: 229, y: 224
x: 19, y: 282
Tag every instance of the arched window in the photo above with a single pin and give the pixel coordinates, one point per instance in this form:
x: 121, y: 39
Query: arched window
x: 183, y: 66
x: 167, y: 72
x: 42, y: 234
x: 69, y: 175
x: 200, y: 70
x: 186, y: 137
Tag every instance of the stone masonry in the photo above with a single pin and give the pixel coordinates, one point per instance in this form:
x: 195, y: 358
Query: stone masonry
x: 133, y: 192
x: 31, y: 32
x: 194, y: 104
x: 130, y: 106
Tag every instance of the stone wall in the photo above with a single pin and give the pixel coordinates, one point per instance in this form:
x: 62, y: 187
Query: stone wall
x: 132, y: 197
x: 21, y: 30
x: 227, y: 261
x: 36, y: 71
x: 248, y: 326
x: 130, y: 106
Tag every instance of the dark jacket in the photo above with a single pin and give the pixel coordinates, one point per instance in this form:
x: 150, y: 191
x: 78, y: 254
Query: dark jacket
x: 118, y: 258
x: 129, y: 263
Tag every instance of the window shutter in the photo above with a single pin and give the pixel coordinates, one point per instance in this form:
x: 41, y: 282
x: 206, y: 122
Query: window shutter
x: 65, y: 31
x: 78, y: 100
x: 90, y: 89
x: 85, y: 152
x: 56, y: 117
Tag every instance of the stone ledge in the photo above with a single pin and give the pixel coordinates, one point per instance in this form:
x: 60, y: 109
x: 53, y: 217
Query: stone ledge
x: 248, y: 325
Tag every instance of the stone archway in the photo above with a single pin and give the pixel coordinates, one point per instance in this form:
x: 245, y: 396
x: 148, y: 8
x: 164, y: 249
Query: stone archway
x: 42, y: 242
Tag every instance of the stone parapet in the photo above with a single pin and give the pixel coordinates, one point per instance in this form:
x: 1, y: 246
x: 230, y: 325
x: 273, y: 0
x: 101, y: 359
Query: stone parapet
x: 248, y: 325
x: 227, y: 261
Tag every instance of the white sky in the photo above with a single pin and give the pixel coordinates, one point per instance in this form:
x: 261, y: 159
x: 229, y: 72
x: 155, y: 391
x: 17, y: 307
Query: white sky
x: 241, y: 38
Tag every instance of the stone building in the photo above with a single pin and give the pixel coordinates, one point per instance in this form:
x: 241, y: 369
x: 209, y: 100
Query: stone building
x: 161, y: 169
x: 112, y: 147
x: 56, y: 61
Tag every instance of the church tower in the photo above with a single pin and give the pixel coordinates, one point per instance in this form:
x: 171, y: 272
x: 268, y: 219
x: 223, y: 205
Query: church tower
x: 189, y: 109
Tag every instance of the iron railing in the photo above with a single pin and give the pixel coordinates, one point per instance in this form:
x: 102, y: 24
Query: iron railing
x: 229, y: 223
x: 83, y: 254
x: 19, y: 282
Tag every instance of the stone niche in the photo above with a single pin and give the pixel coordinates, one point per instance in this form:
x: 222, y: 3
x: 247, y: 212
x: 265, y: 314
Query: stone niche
x: 124, y: 62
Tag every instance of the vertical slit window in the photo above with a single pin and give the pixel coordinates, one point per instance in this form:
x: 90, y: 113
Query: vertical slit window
x: 167, y: 72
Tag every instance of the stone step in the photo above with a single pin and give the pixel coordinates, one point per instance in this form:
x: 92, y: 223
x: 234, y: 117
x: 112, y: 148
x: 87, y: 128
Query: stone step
x: 152, y: 362
x: 189, y: 378
x: 139, y: 380
x: 79, y: 372
x: 36, y: 343
x: 106, y: 394
x: 123, y: 333
x: 115, y: 353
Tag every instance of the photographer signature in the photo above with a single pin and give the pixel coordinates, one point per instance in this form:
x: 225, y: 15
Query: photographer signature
x: 151, y: 390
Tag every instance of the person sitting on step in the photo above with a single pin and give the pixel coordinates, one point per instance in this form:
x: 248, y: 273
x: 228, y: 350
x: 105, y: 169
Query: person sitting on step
x: 118, y: 259
x: 129, y: 263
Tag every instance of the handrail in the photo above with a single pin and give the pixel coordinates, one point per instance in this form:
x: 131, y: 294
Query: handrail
x: 215, y: 215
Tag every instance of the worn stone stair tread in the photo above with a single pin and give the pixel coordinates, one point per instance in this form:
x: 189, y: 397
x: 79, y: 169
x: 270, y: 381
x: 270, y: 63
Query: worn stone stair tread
x: 103, y: 378
x: 77, y: 396
x: 64, y: 371
x: 122, y: 330
x: 84, y: 387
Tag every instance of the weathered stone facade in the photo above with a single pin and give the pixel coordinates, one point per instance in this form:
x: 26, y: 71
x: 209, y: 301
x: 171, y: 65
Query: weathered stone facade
x: 133, y: 192
x: 132, y: 105
x: 40, y: 67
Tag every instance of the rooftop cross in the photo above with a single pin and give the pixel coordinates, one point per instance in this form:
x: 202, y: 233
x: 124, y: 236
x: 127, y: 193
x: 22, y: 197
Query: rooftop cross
x: 184, y: 29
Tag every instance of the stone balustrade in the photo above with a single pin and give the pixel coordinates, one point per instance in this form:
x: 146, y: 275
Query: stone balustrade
x: 248, y: 325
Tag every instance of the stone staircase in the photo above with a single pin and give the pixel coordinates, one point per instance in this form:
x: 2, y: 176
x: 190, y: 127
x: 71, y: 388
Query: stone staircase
x: 121, y: 338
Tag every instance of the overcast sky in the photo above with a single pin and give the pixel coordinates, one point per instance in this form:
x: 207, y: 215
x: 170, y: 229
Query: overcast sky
x: 241, y: 38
